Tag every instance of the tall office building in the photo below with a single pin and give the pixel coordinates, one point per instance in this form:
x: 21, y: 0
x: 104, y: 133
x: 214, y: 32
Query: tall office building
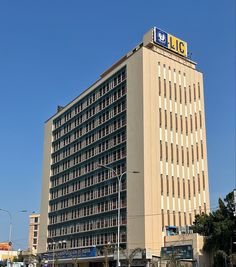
x: 145, y: 119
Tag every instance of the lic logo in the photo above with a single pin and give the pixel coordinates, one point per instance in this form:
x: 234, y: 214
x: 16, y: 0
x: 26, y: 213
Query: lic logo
x: 161, y: 37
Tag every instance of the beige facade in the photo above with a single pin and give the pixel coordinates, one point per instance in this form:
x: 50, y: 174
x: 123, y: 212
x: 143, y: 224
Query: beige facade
x: 34, y: 222
x: 165, y: 142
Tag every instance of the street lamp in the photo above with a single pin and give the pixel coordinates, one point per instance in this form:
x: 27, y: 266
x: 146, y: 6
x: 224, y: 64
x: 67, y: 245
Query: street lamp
x: 10, y: 230
x: 53, y: 249
x: 119, y: 178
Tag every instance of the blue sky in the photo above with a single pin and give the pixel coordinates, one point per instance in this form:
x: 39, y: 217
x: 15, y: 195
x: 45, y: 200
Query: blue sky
x: 50, y: 51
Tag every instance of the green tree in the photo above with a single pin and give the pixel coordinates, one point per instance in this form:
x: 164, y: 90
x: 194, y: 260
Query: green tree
x: 218, y: 227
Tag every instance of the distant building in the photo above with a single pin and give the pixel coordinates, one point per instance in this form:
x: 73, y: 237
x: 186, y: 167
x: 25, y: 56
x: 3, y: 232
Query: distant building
x: 34, y: 220
x: 5, y: 246
x: 145, y: 119
x: 5, y: 255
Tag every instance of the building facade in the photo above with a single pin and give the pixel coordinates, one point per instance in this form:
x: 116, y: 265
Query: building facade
x: 145, y: 119
x: 34, y: 222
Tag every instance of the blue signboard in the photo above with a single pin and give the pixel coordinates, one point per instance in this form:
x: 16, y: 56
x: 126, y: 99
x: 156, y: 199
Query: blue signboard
x: 180, y: 252
x: 68, y: 254
x: 161, y: 37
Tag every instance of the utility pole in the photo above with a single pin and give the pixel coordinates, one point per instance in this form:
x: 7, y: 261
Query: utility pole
x: 235, y: 202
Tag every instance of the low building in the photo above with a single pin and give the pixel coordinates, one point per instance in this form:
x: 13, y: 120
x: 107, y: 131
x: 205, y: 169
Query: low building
x: 7, y: 254
x: 188, y: 247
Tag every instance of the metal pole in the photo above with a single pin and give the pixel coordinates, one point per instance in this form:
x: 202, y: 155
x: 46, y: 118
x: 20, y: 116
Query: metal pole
x: 119, y: 178
x: 53, y: 254
x: 53, y: 250
x: 118, y: 216
x: 118, y: 223
x: 118, y: 238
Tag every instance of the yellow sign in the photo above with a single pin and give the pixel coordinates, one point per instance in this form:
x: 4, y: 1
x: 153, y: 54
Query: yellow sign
x: 177, y: 45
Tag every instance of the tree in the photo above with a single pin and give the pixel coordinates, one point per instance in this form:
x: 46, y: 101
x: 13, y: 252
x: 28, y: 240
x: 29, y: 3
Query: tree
x: 218, y: 227
x: 130, y: 254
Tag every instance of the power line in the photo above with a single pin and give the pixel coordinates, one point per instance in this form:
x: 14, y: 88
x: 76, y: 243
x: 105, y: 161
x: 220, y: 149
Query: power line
x: 165, y: 212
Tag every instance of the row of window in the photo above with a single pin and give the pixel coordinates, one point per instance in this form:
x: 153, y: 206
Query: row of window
x: 95, y: 193
x: 73, y: 179
x: 93, y: 240
x: 179, y: 219
x: 118, y: 139
x: 83, y: 131
x: 180, y: 123
x: 180, y: 154
x: 91, y: 98
x: 103, y: 132
x: 90, y: 152
x: 89, y: 121
x: 110, y: 157
x: 89, y: 210
x: 178, y: 93
x: 187, y: 185
x: 90, y: 225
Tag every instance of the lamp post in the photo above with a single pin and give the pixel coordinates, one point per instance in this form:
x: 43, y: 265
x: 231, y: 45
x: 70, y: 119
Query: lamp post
x: 119, y: 178
x: 53, y: 250
x: 10, y: 230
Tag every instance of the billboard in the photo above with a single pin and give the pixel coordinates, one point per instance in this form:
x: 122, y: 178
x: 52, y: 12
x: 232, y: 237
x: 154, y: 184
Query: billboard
x: 180, y: 252
x: 68, y: 254
x: 170, y: 42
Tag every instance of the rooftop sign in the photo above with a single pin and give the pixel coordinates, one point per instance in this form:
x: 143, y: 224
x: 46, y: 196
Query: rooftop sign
x: 170, y: 42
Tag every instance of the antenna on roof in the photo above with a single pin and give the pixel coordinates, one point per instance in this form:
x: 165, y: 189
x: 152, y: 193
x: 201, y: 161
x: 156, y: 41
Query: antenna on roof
x: 190, y: 55
x: 59, y: 108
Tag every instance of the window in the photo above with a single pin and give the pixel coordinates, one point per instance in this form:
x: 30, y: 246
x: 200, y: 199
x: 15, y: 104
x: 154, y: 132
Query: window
x: 159, y: 117
x: 175, y: 92
x: 166, y: 151
x: 190, y: 94
x: 170, y: 90
x: 160, y: 150
x: 167, y: 186
x: 159, y: 81
x: 194, y: 92
x: 173, y: 186
x: 183, y: 188
x: 179, y: 218
x: 194, y: 187
x: 185, y: 96
x: 180, y: 95
x: 178, y: 184
x: 162, y: 219
x: 203, y: 180
x: 174, y: 221
x: 161, y: 184
x: 164, y: 87
x: 168, y: 217
x: 199, y: 94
